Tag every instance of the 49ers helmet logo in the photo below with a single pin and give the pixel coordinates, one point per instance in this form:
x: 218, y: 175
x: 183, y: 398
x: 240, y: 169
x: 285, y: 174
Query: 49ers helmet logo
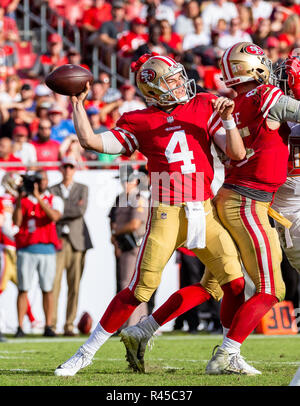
x: 147, y: 75
x: 254, y: 50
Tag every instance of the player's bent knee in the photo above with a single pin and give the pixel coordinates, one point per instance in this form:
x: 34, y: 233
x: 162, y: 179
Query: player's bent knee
x: 147, y: 285
x: 236, y: 287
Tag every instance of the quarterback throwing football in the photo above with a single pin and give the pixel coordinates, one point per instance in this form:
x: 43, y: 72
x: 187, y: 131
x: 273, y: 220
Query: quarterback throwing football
x: 175, y: 133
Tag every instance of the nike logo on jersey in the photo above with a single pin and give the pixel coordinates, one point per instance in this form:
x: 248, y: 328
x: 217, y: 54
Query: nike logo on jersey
x: 177, y: 127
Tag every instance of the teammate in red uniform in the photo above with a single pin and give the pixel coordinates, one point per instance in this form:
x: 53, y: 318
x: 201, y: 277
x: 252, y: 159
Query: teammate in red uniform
x: 243, y: 203
x: 175, y: 134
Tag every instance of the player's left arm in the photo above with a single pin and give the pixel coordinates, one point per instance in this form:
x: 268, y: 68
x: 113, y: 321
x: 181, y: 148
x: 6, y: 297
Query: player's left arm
x: 232, y: 144
x: 288, y: 108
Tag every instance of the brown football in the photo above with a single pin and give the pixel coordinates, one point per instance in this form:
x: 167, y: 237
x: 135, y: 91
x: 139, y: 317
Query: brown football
x: 69, y: 79
x: 85, y: 323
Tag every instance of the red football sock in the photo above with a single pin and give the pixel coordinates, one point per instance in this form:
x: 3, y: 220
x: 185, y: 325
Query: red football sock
x: 180, y: 302
x: 119, y: 310
x: 233, y: 298
x: 249, y: 315
x: 29, y: 312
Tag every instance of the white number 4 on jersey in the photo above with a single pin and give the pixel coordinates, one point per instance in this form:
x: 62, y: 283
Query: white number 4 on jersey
x: 184, y: 155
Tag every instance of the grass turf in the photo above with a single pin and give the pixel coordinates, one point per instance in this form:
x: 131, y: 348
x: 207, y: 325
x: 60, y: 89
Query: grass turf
x: 175, y: 360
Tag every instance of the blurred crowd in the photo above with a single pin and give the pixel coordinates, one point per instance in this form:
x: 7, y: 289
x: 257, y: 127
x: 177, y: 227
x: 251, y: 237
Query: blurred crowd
x: 36, y: 124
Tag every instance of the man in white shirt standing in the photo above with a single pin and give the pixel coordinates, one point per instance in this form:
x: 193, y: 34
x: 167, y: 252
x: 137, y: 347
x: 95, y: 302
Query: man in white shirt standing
x: 234, y: 35
x: 219, y: 9
x: 199, y: 37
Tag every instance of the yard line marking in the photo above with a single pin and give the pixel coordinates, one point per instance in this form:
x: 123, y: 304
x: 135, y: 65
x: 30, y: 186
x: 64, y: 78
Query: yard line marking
x: 160, y: 337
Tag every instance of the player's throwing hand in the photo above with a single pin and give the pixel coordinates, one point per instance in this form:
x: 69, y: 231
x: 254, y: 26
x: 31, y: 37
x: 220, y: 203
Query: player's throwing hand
x: 224, y: 107
x: 82, y: 96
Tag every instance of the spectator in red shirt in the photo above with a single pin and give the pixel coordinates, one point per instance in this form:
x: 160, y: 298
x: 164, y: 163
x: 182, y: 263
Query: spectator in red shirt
x: 45, y: 63
x: 132, y: 39
x: 169, y: 37
x: 94, y: 16
x: 46, y: 149
x: 6, y: 155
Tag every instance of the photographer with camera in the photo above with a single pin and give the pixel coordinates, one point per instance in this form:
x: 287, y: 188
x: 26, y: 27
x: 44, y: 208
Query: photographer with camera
x: 128, y: 218
x: 36, y: 213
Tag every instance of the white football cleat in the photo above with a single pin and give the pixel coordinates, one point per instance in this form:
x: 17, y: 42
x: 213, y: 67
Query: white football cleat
x: 220, y: 363
x: 245, y: 368
x: 78, y: 361
x: 135, y: 341
x: 224, y: 363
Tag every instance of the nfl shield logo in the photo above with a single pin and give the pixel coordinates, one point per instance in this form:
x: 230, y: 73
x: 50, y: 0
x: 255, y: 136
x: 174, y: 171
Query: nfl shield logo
x: 163, y: 216
x: 170, y: 119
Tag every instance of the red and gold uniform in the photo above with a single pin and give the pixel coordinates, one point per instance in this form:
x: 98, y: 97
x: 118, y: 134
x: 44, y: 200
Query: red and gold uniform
x: 177, y: 146
x: 243, y: 203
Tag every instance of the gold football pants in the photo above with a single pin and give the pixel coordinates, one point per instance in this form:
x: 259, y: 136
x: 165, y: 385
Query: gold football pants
x: 166, y: 231
x: 248, y: 223
x: 8, y: 267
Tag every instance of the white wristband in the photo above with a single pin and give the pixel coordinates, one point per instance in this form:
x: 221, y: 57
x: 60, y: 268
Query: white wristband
x: 229, y: 124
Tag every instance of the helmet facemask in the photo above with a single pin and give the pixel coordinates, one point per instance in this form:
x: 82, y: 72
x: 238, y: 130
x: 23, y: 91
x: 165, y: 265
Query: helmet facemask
x: 152, y: 81
x: 281, y: 79
x: 168, y: 96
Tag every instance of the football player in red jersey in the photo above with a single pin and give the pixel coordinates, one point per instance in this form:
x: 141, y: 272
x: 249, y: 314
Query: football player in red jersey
x: 287, y: 198
x: 243, y: 203
x: 175, y: 134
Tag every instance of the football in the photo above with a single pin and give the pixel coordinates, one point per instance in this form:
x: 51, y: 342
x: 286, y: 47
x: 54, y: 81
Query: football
x: 69, y: 79
x: 85, y: 323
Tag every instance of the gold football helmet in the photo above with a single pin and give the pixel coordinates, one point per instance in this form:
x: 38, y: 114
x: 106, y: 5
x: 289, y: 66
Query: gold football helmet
x: 151, y: 80
x: 11, y: 181
x: 244, y: 62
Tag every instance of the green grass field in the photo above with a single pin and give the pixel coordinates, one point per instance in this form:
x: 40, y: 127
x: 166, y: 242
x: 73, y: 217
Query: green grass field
x: 175, y: 360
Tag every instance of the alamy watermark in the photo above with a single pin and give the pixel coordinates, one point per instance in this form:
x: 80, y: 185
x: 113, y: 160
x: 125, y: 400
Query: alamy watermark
x: 169, y: 188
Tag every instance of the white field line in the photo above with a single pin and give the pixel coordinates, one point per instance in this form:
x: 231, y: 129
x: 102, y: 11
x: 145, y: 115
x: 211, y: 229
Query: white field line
x: 161, y: 337
x: 296, y: 363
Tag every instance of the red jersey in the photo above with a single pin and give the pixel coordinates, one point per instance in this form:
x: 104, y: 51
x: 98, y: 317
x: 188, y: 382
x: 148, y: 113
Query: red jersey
x: 95, y: 16
x: 6, y: 201
x: 177, y: 146
x: 265, y: 167
x: 36, y: 227
x: 47, y: 152
x: 130, y: 41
